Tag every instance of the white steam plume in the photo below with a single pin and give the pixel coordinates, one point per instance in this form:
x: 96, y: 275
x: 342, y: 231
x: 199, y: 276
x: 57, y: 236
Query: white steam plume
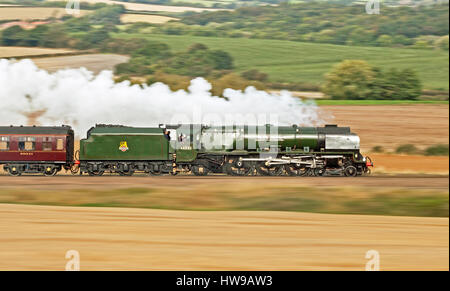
x: 79, y: 98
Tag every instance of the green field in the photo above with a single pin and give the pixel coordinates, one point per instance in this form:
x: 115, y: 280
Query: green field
x: 377, y: 102
x: 338, y: 200
x: 289, y: 61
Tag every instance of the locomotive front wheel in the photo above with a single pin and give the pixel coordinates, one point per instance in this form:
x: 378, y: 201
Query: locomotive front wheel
x: 350, y: 171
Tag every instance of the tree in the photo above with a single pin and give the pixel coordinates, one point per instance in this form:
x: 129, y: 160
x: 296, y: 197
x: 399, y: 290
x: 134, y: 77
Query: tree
x: 351, y: 79
x: 395, y: 84
x: 153, y: 50
x: 55, y: 37
x: 198, y: 60
x: 384, y: 40
x: 12, y: 35
x: 222, y: 60
x: 442, y: 43
x: 409, y: 86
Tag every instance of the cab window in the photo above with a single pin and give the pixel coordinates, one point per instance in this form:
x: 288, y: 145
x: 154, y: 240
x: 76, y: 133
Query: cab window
x: 4, y: 143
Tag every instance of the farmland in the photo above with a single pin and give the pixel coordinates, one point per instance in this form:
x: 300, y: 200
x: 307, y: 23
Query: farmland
x: 391, y: 126
x: 37, y: 237
x: 131, y: 18
x: 148, y: 7
x: 32, y: 13
x: 288, y: 61
x: 11, y: 51
x: 93, y: 62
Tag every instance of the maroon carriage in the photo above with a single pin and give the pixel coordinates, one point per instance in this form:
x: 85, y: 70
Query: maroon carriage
x: 36, y: 150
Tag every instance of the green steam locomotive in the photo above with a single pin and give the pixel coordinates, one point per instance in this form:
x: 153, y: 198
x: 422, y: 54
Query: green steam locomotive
x: 234, y: 150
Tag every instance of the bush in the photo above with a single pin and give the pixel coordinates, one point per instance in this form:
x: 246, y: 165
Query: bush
x: 198, y: 60
x: 353, y: 79
x: 377, y: 149
x: 408, y: 149
x: 232, y: 81
x: 175, y: 82
x: 437, y: 150
x: 255, y: 75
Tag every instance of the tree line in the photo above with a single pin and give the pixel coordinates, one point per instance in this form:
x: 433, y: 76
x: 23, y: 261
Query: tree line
x: 423, y: 26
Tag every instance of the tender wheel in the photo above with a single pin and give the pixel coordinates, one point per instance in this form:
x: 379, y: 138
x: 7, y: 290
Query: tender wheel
x: 129, y: 173
x: 236, y: 167
x: 350, y: 171
x: 296, y: 170
x: 96, y: 173
x: 200, y: 170
x: 269, y: 170
x: 155, y: 173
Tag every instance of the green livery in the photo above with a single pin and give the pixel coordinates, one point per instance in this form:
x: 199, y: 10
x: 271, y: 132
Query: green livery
x: 236, y: 150
x: 124, y: 144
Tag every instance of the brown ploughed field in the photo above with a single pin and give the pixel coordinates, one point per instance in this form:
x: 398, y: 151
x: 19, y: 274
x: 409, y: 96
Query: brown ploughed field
x: 392, y: 125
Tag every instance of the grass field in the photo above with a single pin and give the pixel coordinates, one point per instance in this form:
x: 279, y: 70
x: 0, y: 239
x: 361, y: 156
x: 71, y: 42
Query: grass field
x: 131, y: 18
x: 378, y: 102
x: 288, y: 61
x: 32, y: 13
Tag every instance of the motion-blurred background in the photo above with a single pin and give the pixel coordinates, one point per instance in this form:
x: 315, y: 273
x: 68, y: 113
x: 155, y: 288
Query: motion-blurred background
x: 385, y: 75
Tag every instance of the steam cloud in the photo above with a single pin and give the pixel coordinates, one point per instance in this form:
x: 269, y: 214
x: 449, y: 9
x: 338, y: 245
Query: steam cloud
x: 79, y: 98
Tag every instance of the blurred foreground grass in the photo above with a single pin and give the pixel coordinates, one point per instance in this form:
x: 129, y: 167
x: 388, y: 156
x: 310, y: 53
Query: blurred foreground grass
x: 339, y: 200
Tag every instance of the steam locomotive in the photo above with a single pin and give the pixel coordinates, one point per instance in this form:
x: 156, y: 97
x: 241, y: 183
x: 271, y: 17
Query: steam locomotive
x: 195, y: 149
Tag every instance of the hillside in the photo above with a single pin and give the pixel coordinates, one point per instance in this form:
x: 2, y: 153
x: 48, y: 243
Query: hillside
x: 289, y: 61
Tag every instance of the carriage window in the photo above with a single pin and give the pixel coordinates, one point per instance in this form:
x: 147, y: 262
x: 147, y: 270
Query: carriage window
x: 4, y: 143
x: 27, y: 143
x: 59, y: 144
x: 47, y: 144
